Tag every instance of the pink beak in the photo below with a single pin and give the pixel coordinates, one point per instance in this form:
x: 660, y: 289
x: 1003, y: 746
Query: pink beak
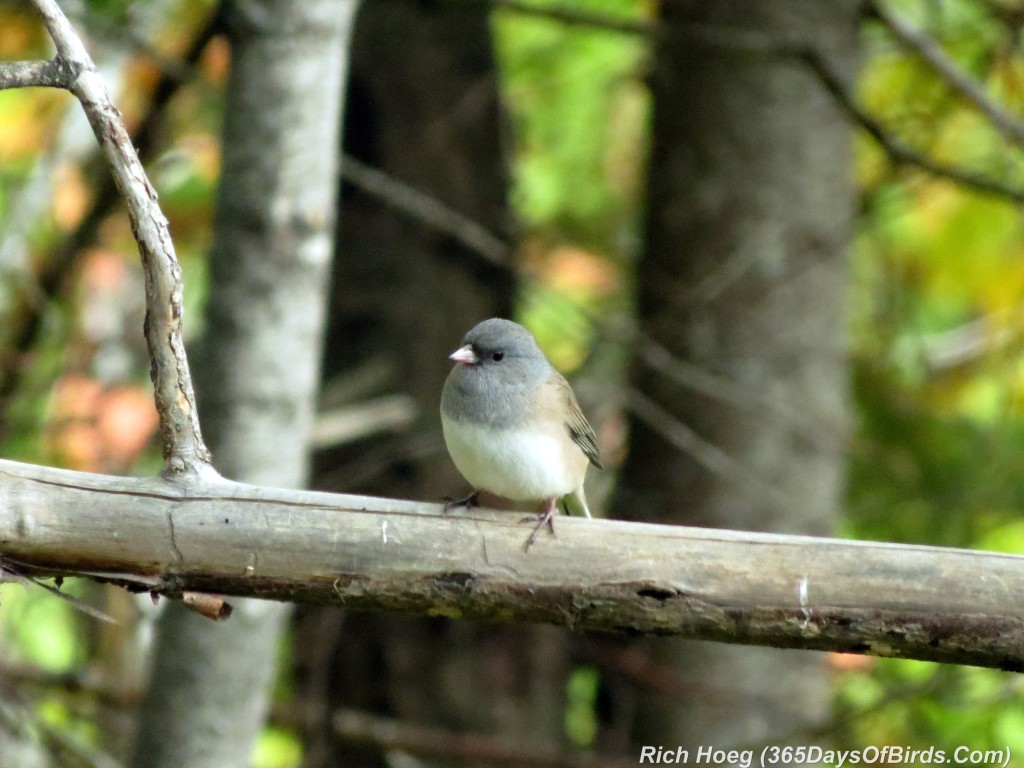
x: 464, y: 355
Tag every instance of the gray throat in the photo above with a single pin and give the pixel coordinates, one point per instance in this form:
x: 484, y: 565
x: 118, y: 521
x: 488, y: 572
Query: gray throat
x: 474, y: 396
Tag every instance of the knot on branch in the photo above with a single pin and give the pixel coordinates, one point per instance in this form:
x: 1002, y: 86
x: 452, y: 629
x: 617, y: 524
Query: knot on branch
x: 66, y: 70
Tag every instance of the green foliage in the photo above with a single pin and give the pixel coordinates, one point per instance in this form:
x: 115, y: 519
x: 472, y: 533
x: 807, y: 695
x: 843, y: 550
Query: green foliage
x: 39, y: 629
x: 581, y: 700
x: 923, y: 705
x: 559, y: 322
x: 938, y: 282
x: 277, y: 748
x: 578, y: 110
x: 936, y: 452
x: 111, y: 11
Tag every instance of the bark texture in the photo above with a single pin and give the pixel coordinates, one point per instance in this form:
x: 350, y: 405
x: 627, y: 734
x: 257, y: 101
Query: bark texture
x: 744, y: 273
x: 258, y: 370
x: 367, y: 553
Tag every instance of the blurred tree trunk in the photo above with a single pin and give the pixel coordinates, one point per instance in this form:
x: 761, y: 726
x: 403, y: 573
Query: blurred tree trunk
x: 423, y: 108
x: 744, y: 273
x: 258, y: 369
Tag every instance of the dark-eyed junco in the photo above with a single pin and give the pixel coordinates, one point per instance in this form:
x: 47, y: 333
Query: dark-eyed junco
x: 512, y: 424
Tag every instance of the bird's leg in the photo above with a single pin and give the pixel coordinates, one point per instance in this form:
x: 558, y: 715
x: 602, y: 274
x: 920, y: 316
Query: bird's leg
x: 547, y: 517
x: 470, y: 501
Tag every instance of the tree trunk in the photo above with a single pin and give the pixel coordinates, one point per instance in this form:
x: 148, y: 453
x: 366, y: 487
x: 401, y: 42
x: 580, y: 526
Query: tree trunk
x: 258, y: 369
x: 425, y: 110
x: 744, y: 273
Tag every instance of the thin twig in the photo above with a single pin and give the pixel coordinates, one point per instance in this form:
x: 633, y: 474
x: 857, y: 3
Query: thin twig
x: 467, y: 748
x: 73, y: 683
x: 10, y: 572
x: 745, y: 42
x: 725, y: 390
x: 898, y: 152
x: 931, y: 53
x: 184, y: 450
x: 426, y: 208
x: 705, y: 453
x: 350, y: 725
x: 358, y: 420
x: 62, y: 748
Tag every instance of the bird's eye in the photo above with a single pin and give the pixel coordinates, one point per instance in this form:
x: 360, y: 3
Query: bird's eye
x: 498, y: 356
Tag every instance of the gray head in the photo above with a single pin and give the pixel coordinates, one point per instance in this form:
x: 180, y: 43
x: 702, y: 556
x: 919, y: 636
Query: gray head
x: 498, y: 366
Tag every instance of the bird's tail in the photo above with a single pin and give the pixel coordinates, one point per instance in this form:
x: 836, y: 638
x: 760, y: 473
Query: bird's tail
x: 576, y: 503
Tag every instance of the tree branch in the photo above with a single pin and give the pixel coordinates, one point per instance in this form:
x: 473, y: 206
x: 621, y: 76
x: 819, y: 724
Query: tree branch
x: 214, y: 536
x: 450, y: 746
x: 25, y: 320
x: 929, y: 51
x: 56, y: 73
x: 898, y: 152
x: 706, y: 454
x: 350, y: 725
x: 428, y: 209
x: 184, y: 450
x: 745, y: 42
x: 928, y: 603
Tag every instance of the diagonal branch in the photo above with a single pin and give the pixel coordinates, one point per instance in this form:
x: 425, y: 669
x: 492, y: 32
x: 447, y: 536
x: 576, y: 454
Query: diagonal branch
x: 898, y: 152
x: 184, y: 450
x: 929, y: 603
x: 708, y: 455
x: 745, y: 42
x: 931, y: 53
x: 426, y: 208
x: 25, y: 320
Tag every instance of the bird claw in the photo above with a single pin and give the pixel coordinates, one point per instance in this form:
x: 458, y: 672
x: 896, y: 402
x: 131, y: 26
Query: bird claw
x: 473, y: 500
x: 546, y: 517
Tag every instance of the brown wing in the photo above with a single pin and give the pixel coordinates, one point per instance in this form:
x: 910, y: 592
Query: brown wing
x: 579, y: 428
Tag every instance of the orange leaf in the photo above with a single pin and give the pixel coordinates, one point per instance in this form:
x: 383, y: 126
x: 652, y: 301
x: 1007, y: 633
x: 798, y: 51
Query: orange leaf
x: 127, y: 421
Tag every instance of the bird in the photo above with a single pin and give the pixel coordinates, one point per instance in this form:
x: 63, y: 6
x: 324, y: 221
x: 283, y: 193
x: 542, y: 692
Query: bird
x: 513, y: 426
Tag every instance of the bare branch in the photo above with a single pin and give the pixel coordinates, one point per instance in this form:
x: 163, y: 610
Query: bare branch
x: 11, y: 573
x: 359, y: 420
x: 25, y: 322
x: 421, y: 206
x: 427, y: 209
x: 730, y: 392
x: 350, y: 725
x: 745, y: 42
x: 184, y: 450
x: 27, y: 74
x: 226, y: 538
x: 707, y: 454
x: 897, y: 151
x: 475, y: 749
x: 931, y: 53
x: 74, y: 682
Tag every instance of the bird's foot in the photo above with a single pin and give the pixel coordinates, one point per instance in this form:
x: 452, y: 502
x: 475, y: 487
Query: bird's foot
x: 473, y: 500
x: 547, y: 517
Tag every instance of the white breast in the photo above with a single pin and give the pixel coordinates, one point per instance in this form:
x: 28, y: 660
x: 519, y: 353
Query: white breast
x: 519, y: 464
